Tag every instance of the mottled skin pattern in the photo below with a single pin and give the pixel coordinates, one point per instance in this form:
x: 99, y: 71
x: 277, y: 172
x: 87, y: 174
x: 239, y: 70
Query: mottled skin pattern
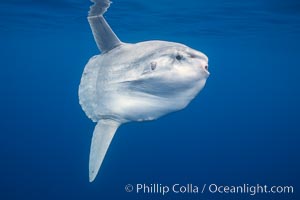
x: 142, y: 81
x: 134, y: 82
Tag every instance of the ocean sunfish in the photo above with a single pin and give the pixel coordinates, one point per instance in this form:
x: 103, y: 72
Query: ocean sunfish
x: 134, y: 82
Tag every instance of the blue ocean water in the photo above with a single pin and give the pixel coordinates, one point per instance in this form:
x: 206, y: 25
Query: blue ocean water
x: 243, y: 128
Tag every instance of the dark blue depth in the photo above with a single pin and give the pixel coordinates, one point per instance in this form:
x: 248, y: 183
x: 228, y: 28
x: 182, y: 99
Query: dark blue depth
x: 243, y: 128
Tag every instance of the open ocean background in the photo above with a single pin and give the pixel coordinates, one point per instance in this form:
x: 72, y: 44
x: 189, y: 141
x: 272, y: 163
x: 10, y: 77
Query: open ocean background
x: 242, y: 128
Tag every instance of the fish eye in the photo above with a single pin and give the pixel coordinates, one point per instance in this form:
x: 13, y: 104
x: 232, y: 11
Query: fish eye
x: 153, y: 65
x: 179, y: 57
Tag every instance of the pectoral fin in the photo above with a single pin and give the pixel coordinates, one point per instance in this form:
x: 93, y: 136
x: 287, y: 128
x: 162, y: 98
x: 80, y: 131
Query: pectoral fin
x: 102, y: 136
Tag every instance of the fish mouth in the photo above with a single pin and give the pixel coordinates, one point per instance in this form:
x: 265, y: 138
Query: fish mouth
x: 205, y: 69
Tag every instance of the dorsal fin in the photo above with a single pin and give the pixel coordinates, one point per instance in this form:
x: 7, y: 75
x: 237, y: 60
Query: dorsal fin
x: 104, y: 36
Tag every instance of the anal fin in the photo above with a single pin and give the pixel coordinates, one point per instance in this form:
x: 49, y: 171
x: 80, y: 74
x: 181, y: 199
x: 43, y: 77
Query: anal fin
x: 102, y: 137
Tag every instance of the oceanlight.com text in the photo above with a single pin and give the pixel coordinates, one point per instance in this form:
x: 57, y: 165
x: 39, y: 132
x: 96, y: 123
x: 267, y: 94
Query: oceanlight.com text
x: 246, y: 189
